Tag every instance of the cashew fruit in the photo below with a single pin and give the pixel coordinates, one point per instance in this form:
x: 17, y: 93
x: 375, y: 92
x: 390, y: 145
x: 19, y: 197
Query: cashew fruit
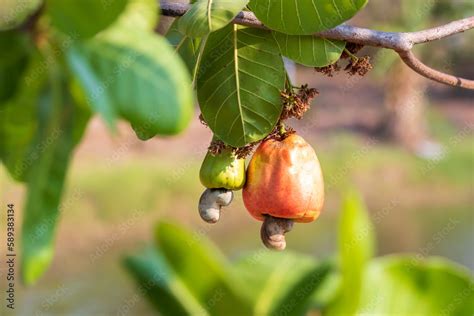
x: 284, y: 180
x: 224, y: 170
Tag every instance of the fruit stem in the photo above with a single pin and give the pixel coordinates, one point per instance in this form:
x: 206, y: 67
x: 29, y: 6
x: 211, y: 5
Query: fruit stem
x: 282, y: 129
x: 352, y: 56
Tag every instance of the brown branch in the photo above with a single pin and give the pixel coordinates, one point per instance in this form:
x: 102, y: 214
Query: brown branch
x: 402, y: 43
x: 414, y: 63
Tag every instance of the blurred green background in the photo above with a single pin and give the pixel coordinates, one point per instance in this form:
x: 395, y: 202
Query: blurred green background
x: 118, y: 186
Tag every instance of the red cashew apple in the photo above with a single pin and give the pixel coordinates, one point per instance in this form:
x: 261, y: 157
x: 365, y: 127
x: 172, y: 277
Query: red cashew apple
x: 284, y: 184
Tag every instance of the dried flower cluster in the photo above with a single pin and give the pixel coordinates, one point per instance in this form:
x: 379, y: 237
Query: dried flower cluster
x: 359, y: 66
x: 328, y: 70
x: 216, y: 147
x: 356, y: 66
x: 296, y: 104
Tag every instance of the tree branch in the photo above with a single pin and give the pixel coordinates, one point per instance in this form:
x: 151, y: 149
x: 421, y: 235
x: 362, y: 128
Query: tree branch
x: 402, y: 43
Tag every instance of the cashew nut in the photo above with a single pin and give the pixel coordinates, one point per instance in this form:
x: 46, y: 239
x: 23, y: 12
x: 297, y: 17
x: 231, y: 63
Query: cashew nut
x: 211, y: 202
x: 273, y: 232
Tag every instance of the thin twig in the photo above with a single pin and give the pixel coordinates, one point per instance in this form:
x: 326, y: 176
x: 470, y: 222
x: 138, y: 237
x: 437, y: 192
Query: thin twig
x: 402, y: 43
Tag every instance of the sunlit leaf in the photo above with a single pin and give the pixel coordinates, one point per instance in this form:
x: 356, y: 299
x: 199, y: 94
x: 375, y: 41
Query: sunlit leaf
x: 204, y: 270
x: 281, y: 282
x: 138, y: 15
x: 161, y: 285
x: 239, y: 82
x: 304, y: 17
x: 85, y: 18
x: 137, y: 76
x: 206, y: 16
x: 309, y: 50
x: 356, y: 247
x: 58, y: 124
x: 184, y: 45
x: 397, y: 285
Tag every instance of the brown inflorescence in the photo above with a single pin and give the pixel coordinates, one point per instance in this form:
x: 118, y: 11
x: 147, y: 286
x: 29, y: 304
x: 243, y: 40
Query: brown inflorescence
x: 296, y: 104
x: 359, y: 66
x: 328, y: 70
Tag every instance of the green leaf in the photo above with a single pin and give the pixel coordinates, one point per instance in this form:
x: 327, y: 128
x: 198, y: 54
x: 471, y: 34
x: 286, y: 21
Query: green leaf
x: 14, y: 12
x: 56, y: 139
x: 204, y: 270
x: 161, y: 285
x: 304, y: 17
x: 90, y: 83
x: 14, y: 55
x: 356, y: 247
x: 138, y: 15
x: 206, y: 16
x: 19, y: 122
x: 309, y: 50
x: 83, y: 19
x: 281, y: 283
x: 185, y: 46
x: 135, y: 75
x: 239, y: 83
x: 397, y: 285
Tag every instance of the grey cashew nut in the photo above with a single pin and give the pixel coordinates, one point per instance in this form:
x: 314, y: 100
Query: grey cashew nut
x: 211, y: 202
x: 273, y: 232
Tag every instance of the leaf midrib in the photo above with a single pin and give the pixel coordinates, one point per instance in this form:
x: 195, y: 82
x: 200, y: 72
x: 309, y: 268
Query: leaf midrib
x: 209, y: 18
x: 237, y: 80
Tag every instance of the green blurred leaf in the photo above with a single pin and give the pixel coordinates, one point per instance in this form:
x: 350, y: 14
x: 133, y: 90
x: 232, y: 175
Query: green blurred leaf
x: 206, y: 16
x: 309, y: 50
x: 90, y: 83
x: 135, y: 75
x: 58, y: 125
x: 19, y: 121
x: 304, y: 17
x: 185, y: 46
x: 138, y: 15
x: 204, y: 270
x: 14, y: 12
x: 397, y: 285
x: 356, y: 247
x: 238, y: 84
x: 162, y: 286
x: 14, y: 55
x: 281, y: 283
x: 85, y: 18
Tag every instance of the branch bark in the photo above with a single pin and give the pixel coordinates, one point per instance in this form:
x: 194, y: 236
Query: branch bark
x: 402, y: 43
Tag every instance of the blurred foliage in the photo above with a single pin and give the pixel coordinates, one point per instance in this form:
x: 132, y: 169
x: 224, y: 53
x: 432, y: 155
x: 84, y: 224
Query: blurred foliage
x: 292, y: 283
x: 65, y: 61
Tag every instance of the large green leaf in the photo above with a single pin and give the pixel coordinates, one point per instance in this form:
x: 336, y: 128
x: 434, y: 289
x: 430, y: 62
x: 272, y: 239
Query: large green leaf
x: 57, y: 132
x: 162, y: 286
x: 304, y: 17
x: 185, y: 46
x: 206, y: 16
x: 204, y: 271
x: 238, y: 84
x: 14, y: 12
x: 397, y: 285
x: 281, y: 283
x: 309, y: 50
x: 135, y: 75
x: 14, y: 54
x: 356, y: 247
x: 85, y: 18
